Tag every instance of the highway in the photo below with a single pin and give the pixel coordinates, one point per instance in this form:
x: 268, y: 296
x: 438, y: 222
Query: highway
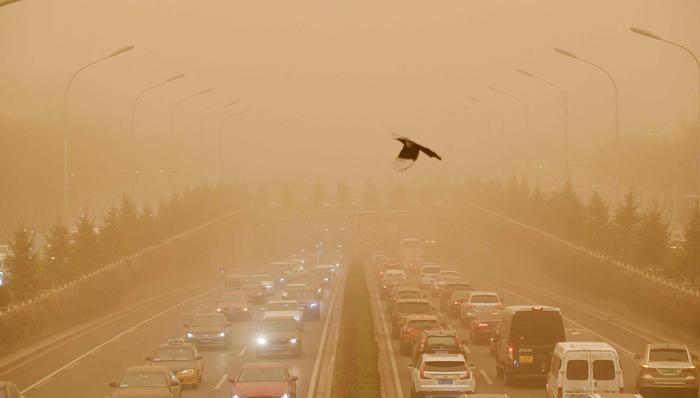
x: 85, y: 365
x: 626, y: 339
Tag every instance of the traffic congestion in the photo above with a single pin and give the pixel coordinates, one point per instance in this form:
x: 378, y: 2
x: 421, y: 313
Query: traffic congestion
x: 452, y: 334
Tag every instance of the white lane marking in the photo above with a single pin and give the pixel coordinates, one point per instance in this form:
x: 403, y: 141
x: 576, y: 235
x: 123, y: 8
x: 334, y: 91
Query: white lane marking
x: 488, y: 379
x: 387, y: 337
x: 467, y: 349
x: 628, y: 352
x: 317, y: 364
x: 64, y: 367
x: 242, y: 351
x: 224, y: 377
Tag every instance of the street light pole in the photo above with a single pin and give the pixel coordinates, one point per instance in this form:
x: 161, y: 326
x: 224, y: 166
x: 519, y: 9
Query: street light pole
x: 221, y: 158
x: 617, y: 120
x: 488, y: 122
x: 566, y: 120
x: 527, y: 127
x: 201, y: 143
x: 131, y: 139
x: 65, y: 123
x: 500, y: 115
x: 170, y: 135
x: 697, y: 63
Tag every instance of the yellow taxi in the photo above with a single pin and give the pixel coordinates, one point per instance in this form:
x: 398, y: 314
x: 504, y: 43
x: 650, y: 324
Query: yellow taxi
x: 182, y: 359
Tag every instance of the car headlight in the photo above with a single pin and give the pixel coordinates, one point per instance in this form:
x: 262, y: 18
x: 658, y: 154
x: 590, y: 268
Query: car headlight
x: 296, y: 317
x: 294, y: 340
x: 187, y: 372
x: 326, y: 279
x: 312, y: 305
x: 190, y: 335
x: 281, y: 279
x: 262, y: 341
x: 222, y: 334
x: 245, y: 309
x: 235, y: 396
x: 284, y: 396
x: 218, y: 310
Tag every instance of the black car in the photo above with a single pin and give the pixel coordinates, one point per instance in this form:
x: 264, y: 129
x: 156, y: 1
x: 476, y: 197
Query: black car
x: 438, y: 342
x: 209, y: 330
x: 308, y: 302
x: 254, y: 290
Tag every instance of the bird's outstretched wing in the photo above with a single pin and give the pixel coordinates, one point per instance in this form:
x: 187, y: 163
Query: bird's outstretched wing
x: 403, y: 164
x: 429, y: 152
x: 398, y: 137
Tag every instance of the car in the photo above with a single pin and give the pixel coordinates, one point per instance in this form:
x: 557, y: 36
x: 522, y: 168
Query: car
x: 483, y: 324
x: 255, y: 291
x: 405, y: 307
x: 318, y: 273
x: 235, y: 305
x: 402, y: 292
x: 389, y: 283
x: 279, y: 335
x: 445, y: 297
x: 235, y: 276
x: 444, y: 341
x: 147, y: 382
x: 378, y: 255
x: 395, y: 272
x: 525, y: 340
x: 667, y: 367
x: 290, y: 287
x: 441, y: 375
x: 428, y: 273
x: 412, y: 265
x: 458, y: 285
x: 478, y: 301
x: 182, y: 359
x: 279, y: 278
x: 329, y: 268
x: 9, y: 390
x: 283, y: 308
x: 453, y: 307
x: 579, y: 335
x: 283, y: 266
x: 209, y: 330
x: 439, y: 285
x: 315, y: 284
x: 263, y: 379
x: 264, y: 280
x: 584, y: 368
x: 385, y: 266
x: 453, y: 274
x: 308, y: 303
x: 412, y: 328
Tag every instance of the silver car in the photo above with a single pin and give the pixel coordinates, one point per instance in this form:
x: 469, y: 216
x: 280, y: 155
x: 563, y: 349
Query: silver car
x: 667, y: 367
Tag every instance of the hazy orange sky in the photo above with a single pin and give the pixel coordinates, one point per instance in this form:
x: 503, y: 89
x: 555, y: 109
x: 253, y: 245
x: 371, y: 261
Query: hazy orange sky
x: 333, y: 79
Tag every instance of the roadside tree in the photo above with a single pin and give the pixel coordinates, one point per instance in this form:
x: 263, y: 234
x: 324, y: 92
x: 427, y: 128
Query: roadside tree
x: 21, y: 263
x: 652, y: 246
x: 58, y: 252
x: 690, y: 253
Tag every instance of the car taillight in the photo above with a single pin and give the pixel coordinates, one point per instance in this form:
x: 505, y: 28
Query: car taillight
x: 510, y: 352
x: 456, y: 302
x: 648, y: 369
x: 689, y: 370
x: 384, y: 287
x: 470, y: 306
x: 560, y: 392
x: 408, y: 330
x: 621, y: 390
x: 483, y: 325
x: 468, y: 375
x: 500, y: 306
x: 422, y: 344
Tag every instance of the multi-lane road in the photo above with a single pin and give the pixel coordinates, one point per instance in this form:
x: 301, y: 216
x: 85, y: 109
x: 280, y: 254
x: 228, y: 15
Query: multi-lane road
x: 84, y: 364
x: 626, y: 338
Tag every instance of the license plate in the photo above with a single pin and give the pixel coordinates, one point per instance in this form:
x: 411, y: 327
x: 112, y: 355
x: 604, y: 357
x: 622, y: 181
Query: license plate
x: 232, y: 312
x: 205, y: 341
x: 669, y: 372
x: 526, y: 359
x: 444, y: 381
x: 276, y: 348
x: 441, y: 352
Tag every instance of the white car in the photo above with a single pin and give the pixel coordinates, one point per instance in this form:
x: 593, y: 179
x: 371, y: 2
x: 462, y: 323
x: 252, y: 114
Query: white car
x: 292, y: 286
x: 428, y: 274
x: 284, y: 308
x: 442, y: 374
x: 478, y: 301
x: 265, y: 280
x: 395, y: 272
x: 439, y: 284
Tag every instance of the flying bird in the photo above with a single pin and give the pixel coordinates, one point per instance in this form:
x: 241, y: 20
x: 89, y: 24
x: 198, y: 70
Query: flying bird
x: 409, y: 153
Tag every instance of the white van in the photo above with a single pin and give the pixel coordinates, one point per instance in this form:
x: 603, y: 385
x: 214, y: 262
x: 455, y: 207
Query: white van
x: 580, y: 369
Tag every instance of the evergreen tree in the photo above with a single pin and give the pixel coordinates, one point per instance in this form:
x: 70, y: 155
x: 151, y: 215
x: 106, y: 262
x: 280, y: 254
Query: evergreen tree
x: 128, y: 224
x: 598, y: 222
x: 370, y: 193
x: 287, y: 201
x: 21, y: 263
x: 626, y: 222
x: 536, y: 206
x: 148, y: 231
x: 86, y: 247
x: 111, y: 237
x: 58, y: 252
x: 317, y: 196
x: 652, y: 249
x: 344, y: 196
x: 512, y: 197
x: 569, y: 214
x: 690, y: 254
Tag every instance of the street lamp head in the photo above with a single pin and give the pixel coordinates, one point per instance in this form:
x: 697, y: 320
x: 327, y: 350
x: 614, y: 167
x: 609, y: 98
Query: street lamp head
x: 206, y: 91
x: 495, y: 89
x: 232, y: 103
x: 180, y: 76
x: 646, y: 33
x: 120, y: 51
x: 524, y: 72
x: 564, y: 52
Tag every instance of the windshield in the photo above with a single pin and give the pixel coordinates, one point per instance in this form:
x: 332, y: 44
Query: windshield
x: 262, y: 374
x: 301, y: 294
x: 450, y: 273
x: 540, y: 330
x: 174, y: 354
x: 413, y: 308
x: 409, y: 294
x: 445, y: 366
x: 278, y: 325
x: 668, y: 355
x: 410, y: 243
x: 484, y: 299
x: 489, y: 316
x: 207, y: 321
x: 251, y: 286
x: 442, y: 341
x: 432, y: 270
x: 259, y: 278
x: 282, y: 307
x: 233, y: 299
x: 134, y: 380
x: 423, y: 324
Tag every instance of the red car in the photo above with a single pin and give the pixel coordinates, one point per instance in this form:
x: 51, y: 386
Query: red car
x: 263, y: 379
x: 235, y: 306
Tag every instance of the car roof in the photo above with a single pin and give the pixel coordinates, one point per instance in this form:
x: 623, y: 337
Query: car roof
x: 416, y: 300
x: 512, y: 309
x: 442, y: 357
x: 422, y: 318
x: 282, y: 302
x: 484, y: 293
x: 146, y: 369
x: 258, y: 365
x: 447, y: 332
x: 279, y: 317
x: 563, y: 348
x: 673, y: 346
x: 183, y: 344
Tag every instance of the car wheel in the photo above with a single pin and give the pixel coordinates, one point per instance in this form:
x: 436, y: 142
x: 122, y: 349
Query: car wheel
x: 413, y: 392
x: 394, y: 332
x: 200, y: 376
x: 507, y: 380
x: 499, y: 372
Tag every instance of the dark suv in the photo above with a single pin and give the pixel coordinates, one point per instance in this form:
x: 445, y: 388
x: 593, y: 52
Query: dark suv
x: 438, y: 342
